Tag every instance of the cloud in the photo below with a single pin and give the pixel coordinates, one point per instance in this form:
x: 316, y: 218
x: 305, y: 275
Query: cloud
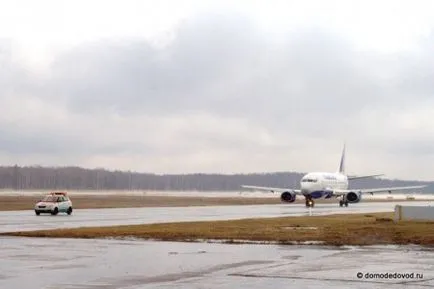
x: 222, y: 96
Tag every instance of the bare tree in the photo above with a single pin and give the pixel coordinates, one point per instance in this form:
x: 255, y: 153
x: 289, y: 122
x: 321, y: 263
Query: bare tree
x: 76, y: 178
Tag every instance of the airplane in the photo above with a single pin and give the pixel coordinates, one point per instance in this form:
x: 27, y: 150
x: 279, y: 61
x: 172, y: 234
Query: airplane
x: 318, y: 185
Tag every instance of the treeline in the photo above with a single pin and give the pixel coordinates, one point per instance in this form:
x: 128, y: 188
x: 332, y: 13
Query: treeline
x: 76, y: 178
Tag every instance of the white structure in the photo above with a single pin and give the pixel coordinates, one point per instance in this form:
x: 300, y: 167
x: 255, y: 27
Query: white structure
x: 414, y: 213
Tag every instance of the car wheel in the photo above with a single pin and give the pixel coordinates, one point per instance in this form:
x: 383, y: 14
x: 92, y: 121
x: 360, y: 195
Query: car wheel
x: 69, y: 212
x: 37, y: 213
x: 55, y: 211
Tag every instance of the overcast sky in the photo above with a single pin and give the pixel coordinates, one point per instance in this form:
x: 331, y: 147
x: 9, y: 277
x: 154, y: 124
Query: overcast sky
x: 219, y: 86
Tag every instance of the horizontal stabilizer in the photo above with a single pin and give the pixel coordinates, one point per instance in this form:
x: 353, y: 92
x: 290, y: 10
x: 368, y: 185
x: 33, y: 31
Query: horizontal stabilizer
x: 363, y: 177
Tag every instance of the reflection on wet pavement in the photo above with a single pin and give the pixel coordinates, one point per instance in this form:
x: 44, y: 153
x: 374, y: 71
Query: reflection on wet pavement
x: 67, y: 263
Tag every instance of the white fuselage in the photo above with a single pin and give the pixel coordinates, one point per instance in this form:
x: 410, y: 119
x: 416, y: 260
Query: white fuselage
x: 321, y: 185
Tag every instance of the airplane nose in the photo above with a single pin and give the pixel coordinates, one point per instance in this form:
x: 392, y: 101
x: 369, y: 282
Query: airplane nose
x: 305, y: 186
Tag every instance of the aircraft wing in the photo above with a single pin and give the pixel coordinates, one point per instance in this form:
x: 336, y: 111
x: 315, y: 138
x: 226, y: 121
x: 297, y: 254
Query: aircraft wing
x: 377, y: 190
x: 270, y: 189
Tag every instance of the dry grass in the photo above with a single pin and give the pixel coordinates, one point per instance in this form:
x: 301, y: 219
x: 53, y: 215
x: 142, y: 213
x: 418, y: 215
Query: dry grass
x: 12, y: 203
x: 351, y: 229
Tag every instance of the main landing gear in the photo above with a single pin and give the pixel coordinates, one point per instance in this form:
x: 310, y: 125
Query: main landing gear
x: 343, y: 202
x: 309, y: 202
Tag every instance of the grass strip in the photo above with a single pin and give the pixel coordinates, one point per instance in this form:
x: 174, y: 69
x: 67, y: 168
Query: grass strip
x: 339, y: 229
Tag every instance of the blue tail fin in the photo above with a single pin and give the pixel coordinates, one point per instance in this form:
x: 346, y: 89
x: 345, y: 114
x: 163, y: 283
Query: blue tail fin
x: 342, y: 164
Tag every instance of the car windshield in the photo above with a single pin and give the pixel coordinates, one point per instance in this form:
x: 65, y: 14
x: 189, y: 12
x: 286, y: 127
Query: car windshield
x: 49, y: 199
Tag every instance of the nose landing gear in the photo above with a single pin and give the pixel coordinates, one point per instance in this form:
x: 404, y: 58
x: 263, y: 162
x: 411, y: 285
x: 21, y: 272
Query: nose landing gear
x: 309, y: 202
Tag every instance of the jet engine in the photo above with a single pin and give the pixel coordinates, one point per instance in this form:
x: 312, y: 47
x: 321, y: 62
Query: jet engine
x: 354, y: 197
x: 288, y: 197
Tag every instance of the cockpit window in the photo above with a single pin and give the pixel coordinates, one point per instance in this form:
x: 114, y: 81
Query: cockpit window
x: 308, y: 180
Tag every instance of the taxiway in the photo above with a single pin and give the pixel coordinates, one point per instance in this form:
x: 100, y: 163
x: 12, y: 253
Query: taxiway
x: 12, y: 221
x: 73, y: 264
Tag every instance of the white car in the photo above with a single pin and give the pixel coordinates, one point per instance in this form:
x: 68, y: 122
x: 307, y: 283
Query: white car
x: 54, y: 203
